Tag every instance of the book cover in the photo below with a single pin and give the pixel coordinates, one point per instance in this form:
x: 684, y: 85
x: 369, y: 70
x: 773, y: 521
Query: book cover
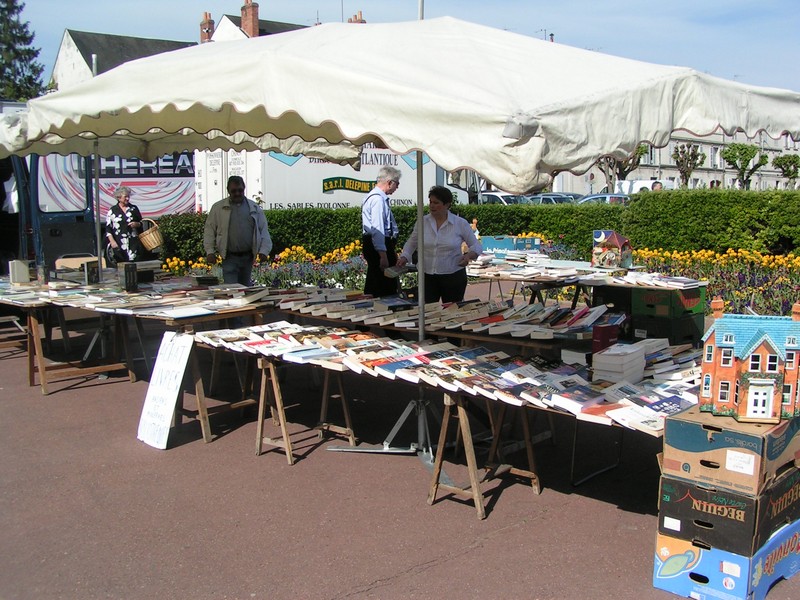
x: 598, y: 413
x: 575, y: 399
x: 638, y: 418
x: 513, y: 395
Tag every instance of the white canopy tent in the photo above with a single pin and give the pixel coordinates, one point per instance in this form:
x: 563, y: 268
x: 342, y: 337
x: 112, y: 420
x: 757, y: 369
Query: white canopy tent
x: 513, y: 108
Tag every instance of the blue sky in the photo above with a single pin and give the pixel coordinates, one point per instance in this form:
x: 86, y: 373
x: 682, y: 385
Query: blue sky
x: 751, y: 42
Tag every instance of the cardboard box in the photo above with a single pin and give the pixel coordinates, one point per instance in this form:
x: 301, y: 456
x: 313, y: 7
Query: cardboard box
x: 727, y: 520
x: 678, y: 330
x: 668, y: 303
x: 686, y: 569
x: 498, y: 244
x: 721, y: 452
x: 620, y: 297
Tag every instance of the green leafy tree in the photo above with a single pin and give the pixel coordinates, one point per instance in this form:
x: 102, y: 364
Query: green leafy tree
x: 618, y: 170
x: 789, y: 166
x: 687, y: 158
x: 20, y: 74
x: 739, y: 157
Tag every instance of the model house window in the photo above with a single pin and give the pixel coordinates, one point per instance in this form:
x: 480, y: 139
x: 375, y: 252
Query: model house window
x: 728, y: 338
x: 791, y: 340
x: 726, y: 357
x: 709, y: 353
x: 724, y: 391
x: 772, y: 363
x: 790, y: 360
x: 786, y: 397
x: 736, y: 393
x: 755, y: 362
x: 714, y: 160
x: 706, y: 386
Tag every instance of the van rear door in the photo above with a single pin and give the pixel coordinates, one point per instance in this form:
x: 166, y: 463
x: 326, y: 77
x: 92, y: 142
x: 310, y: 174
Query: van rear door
x: 62, y: 217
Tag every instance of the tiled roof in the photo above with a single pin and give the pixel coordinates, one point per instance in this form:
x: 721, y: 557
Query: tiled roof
x: 113, y: 50
x: 267, y: 27
x: 749, y: 330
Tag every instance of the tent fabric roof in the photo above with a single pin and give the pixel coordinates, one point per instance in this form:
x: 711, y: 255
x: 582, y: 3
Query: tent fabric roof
x: 114, y: 50
x: 513, y: 108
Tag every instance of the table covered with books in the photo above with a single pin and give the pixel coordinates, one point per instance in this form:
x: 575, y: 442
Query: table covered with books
x: 504, y: 382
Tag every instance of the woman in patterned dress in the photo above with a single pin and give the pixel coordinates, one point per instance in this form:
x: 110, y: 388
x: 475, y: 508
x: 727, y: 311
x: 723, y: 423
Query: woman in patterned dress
x: 123, y: 224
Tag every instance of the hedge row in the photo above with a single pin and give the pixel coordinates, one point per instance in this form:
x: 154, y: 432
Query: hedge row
x: 673, y: 220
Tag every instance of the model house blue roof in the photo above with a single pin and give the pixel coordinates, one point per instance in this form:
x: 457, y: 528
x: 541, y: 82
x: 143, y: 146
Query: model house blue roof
x: 743, y: 333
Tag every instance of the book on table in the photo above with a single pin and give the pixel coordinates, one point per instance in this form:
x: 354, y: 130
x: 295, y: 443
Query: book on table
x: 598, y: 413
x: 514, y: 395
x: 619, y: 355
x: 623, y: 389
x: 638, y: 418
x: 574, y: 399
x: 526, y: 373
x: 307, y: 354
x: 663, y: 405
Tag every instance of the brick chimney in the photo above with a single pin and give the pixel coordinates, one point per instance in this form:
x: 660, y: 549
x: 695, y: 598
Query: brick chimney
x: 357, y: 18
x: 250, y: 18
x: 796, y: 311
x: 717, y: 307
x: 206, y: 28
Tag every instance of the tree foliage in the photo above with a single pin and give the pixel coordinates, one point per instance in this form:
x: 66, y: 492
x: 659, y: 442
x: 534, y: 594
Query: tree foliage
x: 789, y: 166
x: 687, y: 158
x: 20, y: 74
x: 739, y: 157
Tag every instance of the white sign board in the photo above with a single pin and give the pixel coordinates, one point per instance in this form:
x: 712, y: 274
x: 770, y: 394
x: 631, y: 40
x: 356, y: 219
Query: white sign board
x: 165, y: 385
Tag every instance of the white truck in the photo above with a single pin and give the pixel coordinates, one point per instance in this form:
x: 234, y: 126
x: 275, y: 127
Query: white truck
x: 279, y: 181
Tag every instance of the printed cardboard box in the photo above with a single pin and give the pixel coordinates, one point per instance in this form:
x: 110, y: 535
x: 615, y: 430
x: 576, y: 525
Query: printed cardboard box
x: 721, y: 452
x: 727, y: 520
x: 684, y: 568
x: 668, y: 303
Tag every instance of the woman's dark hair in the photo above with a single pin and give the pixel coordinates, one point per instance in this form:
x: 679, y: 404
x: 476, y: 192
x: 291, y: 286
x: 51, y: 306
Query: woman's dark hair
x: 441, y: 193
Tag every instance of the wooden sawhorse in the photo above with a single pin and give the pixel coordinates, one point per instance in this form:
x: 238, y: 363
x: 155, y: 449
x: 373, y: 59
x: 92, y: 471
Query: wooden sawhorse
x: 203, y: 411
x: 473, y: 491
x: 324, y: 425
x: 271, y: 392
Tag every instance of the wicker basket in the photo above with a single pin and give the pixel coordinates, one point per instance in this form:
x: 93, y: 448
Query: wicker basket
x: 151, y: 238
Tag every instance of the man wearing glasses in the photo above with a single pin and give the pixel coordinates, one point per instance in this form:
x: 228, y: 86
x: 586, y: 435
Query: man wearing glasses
x: 236, y: 230
x: 379, y: 233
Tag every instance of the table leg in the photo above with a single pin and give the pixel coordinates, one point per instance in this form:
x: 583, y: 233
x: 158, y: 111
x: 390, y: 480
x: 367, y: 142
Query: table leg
x: 199, y: 390
x: 35, y: 353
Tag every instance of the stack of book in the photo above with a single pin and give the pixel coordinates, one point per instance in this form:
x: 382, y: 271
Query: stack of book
x: 619, y: 362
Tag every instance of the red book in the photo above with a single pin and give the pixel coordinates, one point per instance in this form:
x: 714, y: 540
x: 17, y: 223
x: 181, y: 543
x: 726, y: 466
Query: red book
x: 604, y: 336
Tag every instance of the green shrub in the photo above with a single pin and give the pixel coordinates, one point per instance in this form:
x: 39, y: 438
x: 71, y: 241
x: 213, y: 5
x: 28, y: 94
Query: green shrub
x: 673, y: 220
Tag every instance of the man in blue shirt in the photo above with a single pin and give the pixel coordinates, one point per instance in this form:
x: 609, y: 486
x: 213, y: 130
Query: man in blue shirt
x: 379, y: 233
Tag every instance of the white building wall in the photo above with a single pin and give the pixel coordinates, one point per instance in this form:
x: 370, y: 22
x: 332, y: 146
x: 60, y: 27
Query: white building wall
x: 70, y: 68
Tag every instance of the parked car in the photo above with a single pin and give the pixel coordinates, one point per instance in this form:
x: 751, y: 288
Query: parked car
x: 604, y: 199
x: 574, y: 195
x: 548, y: 198
x: 503, y: 198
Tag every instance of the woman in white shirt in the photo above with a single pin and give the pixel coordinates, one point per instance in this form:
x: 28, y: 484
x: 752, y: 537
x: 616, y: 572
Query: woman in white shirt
x: 444, y: 263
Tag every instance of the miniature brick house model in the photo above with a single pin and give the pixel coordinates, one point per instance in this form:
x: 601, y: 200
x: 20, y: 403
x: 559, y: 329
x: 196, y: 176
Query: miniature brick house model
x: 750, y: 366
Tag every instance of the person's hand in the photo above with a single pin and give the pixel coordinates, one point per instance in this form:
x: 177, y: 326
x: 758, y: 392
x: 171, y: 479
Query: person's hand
x: 135, y: 224
x: 262, y: 257
x: 211, y: 258
x: 384, y: 261
x: 402, y: 261
x: 465, y: 259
